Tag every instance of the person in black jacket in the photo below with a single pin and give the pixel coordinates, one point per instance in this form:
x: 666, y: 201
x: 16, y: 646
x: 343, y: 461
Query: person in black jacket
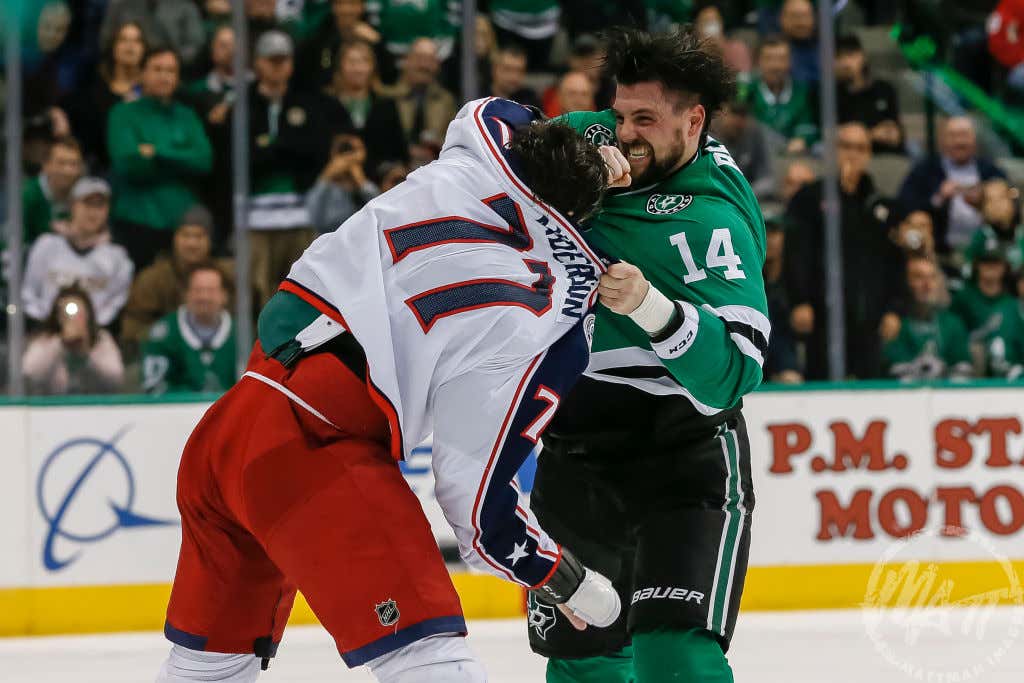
x: 950, y: 185
x: 291, y: 133
x: 871, y: 262
x: 374, y: 116
x: 867, y: 100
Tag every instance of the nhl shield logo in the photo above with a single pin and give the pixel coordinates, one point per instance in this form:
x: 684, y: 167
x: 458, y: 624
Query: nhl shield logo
x: 387, y: 612
x: 598, y: 134
x: 662, y: 204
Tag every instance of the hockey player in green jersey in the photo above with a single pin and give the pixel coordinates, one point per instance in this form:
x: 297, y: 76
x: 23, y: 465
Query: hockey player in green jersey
x: 646, y: 467
x: 193, y: 348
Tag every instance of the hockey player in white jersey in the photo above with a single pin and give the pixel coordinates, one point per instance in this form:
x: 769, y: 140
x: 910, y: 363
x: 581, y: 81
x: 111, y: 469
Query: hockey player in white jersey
x: 455, y: 304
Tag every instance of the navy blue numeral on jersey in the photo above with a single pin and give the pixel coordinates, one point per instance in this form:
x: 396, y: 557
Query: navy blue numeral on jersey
x: 470, y: 295
x: 407, y: 239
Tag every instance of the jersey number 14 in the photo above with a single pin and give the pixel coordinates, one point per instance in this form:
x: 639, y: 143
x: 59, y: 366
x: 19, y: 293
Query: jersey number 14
x: 469, y: 295
x: 720, y: 255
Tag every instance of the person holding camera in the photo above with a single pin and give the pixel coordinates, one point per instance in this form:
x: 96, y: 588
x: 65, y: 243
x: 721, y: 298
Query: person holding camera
x: 342, y: 188
x: 72, y: 354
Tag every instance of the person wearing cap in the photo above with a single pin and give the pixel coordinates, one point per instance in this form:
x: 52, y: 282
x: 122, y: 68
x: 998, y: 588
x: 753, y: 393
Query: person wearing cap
x: 159, y: 153
x: 84, y: 255
x: 868, y: 100
x: 159, y: 289
x: 291, y: 136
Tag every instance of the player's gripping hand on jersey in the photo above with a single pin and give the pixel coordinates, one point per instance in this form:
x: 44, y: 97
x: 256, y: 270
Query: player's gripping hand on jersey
x: 581, y: 594
x: 626, y: 291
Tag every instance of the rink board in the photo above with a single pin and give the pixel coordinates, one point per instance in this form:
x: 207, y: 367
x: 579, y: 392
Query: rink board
x: 91, y: 530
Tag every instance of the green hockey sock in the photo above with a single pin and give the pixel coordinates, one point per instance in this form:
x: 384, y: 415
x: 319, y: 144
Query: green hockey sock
x: 690, y: 656
x: 616, y: 668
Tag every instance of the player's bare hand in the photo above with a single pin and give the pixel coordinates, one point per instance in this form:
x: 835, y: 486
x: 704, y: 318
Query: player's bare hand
x: 576, y: 622
x: 622, y: 288
x: 618, y: 167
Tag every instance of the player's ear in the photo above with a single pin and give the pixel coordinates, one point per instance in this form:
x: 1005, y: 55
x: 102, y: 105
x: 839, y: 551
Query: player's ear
x: 696, y: 117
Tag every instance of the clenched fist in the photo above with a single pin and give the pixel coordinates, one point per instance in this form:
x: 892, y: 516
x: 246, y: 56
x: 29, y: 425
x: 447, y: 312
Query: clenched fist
x: 618, y: 167
x: 622, y: 288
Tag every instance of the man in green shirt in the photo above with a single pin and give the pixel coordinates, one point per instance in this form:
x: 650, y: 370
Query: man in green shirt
x: 932, y: 341
x: 46, y: 198
x: 193, y: 348
x: 646, y: 466
x: 781, y: 103
x: 981, y: 301
x: 159, y: 152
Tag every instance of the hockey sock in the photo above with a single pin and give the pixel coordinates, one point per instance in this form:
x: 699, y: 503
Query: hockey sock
x: 184, y: 665
x: 616, y: 668
x: 430, y: 660
x: 684, y: 656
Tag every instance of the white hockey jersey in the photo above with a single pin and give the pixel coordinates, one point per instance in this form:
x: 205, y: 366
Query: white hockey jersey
x: 471, y: 301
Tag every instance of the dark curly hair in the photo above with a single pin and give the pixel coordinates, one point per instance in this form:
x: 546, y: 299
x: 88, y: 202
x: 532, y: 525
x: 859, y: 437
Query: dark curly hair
x: 561, y: 168
x: 680, y: 60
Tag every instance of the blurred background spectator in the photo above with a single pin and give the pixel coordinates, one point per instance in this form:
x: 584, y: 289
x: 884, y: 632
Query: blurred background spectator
x: 781, y: 363
x: 175, y: 24
x: 861, y: 98
x: 751, y: 144
x: 424, y: 106
x: 84, y: 255
x: 117, y: 80
x: 798, y: 25
x: 158, y: 152
x: 575, y: 92
x: 983, y: 301
x: 1006, y: 349
x: 193, y: 348
x: 402, y: 24
x: 374, y: 116
x: 950, y: 184
x: 46, y: 198
x: 342, y: 188
x: 291, y: 132
x: 159, y: 288
x: 508, y: 76
x: 317, y: 59
x: 71, y: 354
x: 1002, y: 231
x: 930, y: 342
x: 531, y: 24
x: 870, y: 267
x: 779, y: 101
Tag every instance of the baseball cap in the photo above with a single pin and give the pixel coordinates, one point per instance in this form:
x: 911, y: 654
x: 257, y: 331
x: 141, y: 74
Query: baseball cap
x: 88, y: 186
x: 274, y: 44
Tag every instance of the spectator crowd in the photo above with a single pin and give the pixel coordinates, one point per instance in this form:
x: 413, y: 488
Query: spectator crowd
x: 127, y: 200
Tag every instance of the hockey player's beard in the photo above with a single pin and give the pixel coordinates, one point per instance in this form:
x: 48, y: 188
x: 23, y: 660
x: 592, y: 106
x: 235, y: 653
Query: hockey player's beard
x: 657, y: 168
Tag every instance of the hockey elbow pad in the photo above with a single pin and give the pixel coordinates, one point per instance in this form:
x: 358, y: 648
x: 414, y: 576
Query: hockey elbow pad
x: 588, y: 594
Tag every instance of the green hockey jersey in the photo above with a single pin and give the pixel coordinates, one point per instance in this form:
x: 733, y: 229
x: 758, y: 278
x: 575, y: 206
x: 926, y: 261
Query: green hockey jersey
x: 929, y: 348
x: 982, y: 315
x: 699, y: 237
x: 176, y: 359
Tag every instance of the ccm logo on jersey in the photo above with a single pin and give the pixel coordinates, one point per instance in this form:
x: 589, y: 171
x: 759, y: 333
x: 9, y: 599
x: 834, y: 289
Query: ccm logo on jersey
x: 667, y: 593
x: 663, y: 204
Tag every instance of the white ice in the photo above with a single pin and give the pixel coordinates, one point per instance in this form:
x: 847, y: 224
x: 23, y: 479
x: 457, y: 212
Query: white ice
x: 791, y: 647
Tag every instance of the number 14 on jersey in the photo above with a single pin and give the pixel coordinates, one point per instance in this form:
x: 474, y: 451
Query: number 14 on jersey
x: 720, y: 255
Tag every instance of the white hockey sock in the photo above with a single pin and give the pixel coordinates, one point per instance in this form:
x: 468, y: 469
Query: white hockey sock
x: 184, y: 665
x: 437, y: 658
